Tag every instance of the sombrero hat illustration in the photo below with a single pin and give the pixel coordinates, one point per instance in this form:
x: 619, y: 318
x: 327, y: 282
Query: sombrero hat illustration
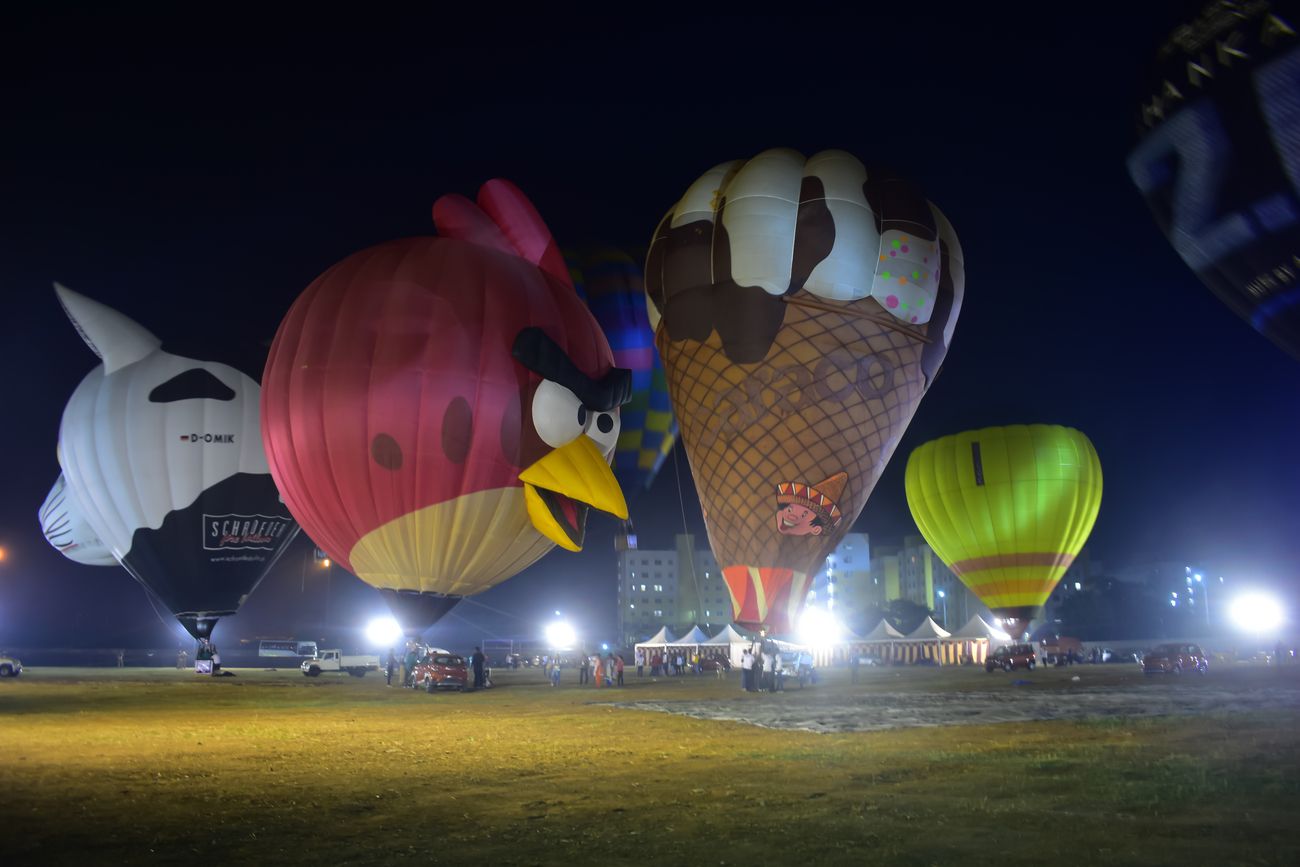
x: 820, y: 498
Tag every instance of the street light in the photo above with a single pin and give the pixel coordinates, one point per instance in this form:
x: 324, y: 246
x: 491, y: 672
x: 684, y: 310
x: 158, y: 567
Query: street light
x: 943, y: 597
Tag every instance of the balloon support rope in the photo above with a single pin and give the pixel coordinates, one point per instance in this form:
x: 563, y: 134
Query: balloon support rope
x: 881, y: 318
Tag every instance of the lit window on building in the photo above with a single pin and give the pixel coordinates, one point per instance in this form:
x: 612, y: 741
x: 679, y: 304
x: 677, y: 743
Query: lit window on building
x: 658, y: 613
x: 659, y: 588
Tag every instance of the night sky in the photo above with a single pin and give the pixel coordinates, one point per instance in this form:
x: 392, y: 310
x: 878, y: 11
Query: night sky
x: 198, y: 173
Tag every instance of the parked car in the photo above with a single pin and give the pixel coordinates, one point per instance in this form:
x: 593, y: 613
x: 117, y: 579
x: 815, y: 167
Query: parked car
x: 1175, y: 659
x: 10, y: 666
x: 441, y: 669
x: 1109, y: 655
x: 1011, y: 657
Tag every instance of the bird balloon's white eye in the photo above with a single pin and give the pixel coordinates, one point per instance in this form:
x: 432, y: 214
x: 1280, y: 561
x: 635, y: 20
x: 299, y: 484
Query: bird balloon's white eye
x: 558, y: 415
x: 603, y: 428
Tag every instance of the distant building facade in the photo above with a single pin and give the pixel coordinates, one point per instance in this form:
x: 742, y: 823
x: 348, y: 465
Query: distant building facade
x: 846, y: 584
x: 675, y: 587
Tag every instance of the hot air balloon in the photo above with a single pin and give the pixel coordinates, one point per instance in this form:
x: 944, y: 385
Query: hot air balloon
x: 163, y: 459
x: 1007, y: 509
x: 802, y: 308
x: 440, y: 412
x: 611, y: 284
x: 1219, y: 157
x: 67, y: 530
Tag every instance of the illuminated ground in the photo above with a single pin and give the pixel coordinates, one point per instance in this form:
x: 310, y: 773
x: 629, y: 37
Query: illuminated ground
x: 157, y: 766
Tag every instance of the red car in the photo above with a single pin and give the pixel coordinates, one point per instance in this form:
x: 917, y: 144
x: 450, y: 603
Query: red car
x: 441, y: 669
x: 1011, y: 657
x: 1175, y: 659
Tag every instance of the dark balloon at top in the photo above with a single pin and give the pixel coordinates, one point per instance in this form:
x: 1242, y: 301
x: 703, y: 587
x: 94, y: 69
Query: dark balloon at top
x: 1219, y: 157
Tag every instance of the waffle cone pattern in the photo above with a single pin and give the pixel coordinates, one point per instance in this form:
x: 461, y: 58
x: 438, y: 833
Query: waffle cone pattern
x: 792, y: 382
x: 812, y: 420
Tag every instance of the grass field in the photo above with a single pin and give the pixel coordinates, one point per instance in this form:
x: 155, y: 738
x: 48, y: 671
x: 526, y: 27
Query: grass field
x: 159, y: 766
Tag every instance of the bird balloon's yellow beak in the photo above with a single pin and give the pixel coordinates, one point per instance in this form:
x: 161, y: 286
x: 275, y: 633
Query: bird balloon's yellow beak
x: 560, y: 488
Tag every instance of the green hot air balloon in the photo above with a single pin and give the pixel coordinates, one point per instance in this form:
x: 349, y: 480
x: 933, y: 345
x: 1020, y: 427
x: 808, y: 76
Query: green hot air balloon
x: 1007, y: 509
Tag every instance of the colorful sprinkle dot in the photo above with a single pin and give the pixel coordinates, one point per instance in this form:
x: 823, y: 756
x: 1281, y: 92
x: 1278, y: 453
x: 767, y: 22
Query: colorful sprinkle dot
x: 916, y: 275
x: 921, y: 303
x: 896, y: 244
x: 904, y: 248
x: 904, y: 305
x: 913, y: 318
x: 882, y: 257
x: 886, y: 275
x: 902, y: 280
x: 891, y: 301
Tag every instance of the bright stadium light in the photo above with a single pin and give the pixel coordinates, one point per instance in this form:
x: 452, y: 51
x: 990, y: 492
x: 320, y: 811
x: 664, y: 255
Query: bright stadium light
x: 819, y: 627
x: 560, y: 635
x: 1256, y: 612
x: 383, y: 631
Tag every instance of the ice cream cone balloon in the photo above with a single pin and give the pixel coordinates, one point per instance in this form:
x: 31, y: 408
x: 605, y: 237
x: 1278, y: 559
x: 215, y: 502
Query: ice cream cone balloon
x: 802, y: 308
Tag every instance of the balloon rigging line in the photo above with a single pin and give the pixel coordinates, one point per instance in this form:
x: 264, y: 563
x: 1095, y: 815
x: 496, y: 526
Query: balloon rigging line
x: 496, y: 610
x: 681, y: 504
x: 486, y: 632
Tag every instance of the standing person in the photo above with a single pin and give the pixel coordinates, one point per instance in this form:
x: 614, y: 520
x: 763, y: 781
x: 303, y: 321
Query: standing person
x: 121, y: 659
x: 854, y: 662
x: 656, y: 665
x: 680, y: 664
x: 555, y: 671
x: 390, y: 665
x: 216, y: 660
x: 609, y: 669
x: 618, y: 669
x: 584, y: 669
x: 476, y: 661
x: 408, y: 665
x: 639, y: 656
x: 747, y: 670
x: 597, y: 670
x: 724, y: 666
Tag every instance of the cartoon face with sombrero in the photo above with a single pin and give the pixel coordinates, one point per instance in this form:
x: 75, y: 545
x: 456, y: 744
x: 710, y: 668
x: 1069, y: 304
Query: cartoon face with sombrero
x: 809, y: 510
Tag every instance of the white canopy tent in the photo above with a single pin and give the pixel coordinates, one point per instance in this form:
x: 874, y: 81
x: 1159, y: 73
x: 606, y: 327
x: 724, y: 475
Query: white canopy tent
x: 976, y: 637
x: 658, y: 641
x: 729, y: 642
x: 930, y: 641
x: 694, y: 638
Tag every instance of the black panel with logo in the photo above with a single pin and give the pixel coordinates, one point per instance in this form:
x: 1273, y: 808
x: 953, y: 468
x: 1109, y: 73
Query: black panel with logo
x: 206, y: 558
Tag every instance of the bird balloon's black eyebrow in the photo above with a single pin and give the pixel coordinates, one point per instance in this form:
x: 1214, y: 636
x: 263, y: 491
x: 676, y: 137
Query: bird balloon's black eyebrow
x: 544, y: 357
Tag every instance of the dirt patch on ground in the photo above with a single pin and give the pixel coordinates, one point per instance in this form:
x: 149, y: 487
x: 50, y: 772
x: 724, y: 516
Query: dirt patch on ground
x: 814, y: 710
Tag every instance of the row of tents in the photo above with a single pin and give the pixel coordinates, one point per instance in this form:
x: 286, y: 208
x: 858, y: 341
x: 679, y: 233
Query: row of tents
x: 885, y: 644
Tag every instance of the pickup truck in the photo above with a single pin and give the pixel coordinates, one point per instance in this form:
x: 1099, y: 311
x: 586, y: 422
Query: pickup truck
x: 10, y: 666
x: 334, y: 660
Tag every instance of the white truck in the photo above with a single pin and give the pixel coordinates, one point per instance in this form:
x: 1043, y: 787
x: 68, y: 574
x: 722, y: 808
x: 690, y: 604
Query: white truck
x: 334, y: 660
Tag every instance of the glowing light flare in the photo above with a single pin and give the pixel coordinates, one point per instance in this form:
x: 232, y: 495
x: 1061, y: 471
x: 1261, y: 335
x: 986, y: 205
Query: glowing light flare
x: 1256, y: 612
x: 560, y: 635
x: 818, y: 627
x: 383, y: 632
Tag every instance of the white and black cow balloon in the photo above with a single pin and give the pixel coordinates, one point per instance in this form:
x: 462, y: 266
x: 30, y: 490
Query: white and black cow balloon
x: 68, y: 531
x: 163, y: 459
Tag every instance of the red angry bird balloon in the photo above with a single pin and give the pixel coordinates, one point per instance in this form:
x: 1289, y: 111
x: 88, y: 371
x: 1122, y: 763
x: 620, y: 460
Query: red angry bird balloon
x: 440, y: 412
